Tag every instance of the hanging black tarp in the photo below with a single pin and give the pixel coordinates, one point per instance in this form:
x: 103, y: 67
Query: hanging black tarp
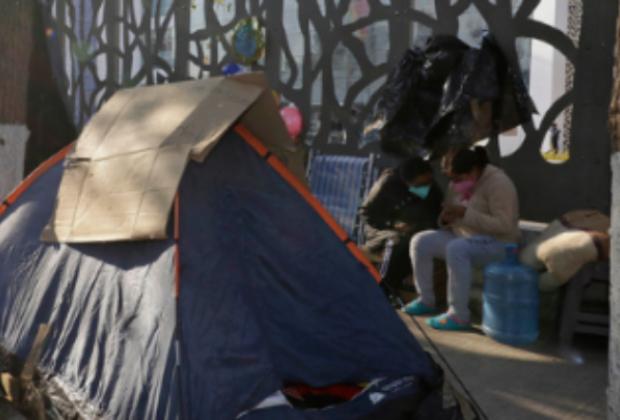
x: 449, y: 94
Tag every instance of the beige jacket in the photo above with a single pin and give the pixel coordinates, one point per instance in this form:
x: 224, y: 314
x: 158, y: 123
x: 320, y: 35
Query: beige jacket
x: 492, y: 210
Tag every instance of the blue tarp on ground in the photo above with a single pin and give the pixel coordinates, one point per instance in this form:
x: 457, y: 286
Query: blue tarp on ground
x: 269, y: 296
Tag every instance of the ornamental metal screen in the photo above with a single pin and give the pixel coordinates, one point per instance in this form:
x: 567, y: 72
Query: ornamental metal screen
x: 330, y: 58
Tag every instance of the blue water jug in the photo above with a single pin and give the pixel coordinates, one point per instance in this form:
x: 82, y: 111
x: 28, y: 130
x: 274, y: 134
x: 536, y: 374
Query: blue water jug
x: 510, y: 300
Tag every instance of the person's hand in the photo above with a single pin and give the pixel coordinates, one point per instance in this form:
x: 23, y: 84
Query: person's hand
x: 401, y: 226
x: 455, y: 210
x: 446, y: 218
x: 452, y: 213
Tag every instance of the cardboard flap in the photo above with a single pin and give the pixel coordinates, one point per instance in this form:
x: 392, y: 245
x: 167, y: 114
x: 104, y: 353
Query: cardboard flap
x: 263, y: 120
x: 229, y: 101
x: 120, y: 182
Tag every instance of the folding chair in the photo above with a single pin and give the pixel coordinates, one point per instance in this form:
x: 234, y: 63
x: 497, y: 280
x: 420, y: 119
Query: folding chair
x: 341, y: 183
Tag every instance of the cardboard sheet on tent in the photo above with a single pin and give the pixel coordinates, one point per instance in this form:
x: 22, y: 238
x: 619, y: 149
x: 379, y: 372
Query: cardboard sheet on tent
x: 120, y: 181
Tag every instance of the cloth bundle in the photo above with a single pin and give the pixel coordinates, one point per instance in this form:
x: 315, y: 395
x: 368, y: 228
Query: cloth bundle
x: 576, y: 239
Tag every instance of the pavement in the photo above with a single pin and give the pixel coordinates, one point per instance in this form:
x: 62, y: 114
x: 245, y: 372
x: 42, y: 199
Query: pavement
x: 540, y: 381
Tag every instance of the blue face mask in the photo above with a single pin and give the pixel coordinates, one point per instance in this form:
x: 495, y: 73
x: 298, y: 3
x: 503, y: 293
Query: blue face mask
x: 421, y: 192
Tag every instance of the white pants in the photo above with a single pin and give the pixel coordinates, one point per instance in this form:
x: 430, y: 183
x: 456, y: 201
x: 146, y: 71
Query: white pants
x: 460, y: 254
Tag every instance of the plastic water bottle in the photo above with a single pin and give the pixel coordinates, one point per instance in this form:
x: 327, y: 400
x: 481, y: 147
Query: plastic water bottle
x: 510, y: 300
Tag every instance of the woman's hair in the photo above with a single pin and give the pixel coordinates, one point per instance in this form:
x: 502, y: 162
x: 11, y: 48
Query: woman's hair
x: 467, y: 159
x: 414, y: 167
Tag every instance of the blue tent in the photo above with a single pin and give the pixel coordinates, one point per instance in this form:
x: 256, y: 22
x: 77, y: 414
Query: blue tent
x: 252, y: 291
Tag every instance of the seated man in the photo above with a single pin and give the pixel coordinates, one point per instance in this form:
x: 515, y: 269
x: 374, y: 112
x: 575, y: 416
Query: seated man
x: 402, y: 202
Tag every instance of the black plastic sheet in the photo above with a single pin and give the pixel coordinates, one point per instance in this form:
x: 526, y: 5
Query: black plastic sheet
x: 449, y: 95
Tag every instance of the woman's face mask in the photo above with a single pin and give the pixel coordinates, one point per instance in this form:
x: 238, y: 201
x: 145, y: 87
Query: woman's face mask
x: 464, y: 188
x: 421, y: 191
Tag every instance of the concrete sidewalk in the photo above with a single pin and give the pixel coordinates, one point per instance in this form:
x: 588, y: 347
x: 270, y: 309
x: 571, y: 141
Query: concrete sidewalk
x: 534, y: 382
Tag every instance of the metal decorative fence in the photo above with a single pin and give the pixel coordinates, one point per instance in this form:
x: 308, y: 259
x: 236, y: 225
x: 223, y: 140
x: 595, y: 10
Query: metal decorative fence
x: 330, y: 58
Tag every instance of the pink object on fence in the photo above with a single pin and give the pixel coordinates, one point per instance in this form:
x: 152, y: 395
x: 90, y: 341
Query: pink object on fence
x: 293, y: 120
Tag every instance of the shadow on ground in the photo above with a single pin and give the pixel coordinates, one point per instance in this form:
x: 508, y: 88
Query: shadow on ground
x: 532, y: 382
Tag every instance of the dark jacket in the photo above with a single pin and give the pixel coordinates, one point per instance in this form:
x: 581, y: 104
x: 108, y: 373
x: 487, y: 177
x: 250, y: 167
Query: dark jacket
x: 389, y: 201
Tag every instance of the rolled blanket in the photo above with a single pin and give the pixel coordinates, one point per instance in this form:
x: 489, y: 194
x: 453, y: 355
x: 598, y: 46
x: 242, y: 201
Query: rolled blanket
x: 575, y: 239
x: 528, y: 254
x: 566, y: 253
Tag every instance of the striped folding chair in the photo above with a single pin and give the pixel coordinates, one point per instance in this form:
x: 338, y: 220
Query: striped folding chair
x: 341, y: 183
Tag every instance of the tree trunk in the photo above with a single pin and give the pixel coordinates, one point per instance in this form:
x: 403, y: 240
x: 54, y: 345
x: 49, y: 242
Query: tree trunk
x: 15, y: 51
x: 613, y: 392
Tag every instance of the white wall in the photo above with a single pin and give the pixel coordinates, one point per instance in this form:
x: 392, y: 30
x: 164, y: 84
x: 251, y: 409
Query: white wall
x: 547, y: 73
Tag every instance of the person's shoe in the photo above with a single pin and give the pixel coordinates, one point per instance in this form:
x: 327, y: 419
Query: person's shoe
x: 448, y: 322
x: 417, y: 307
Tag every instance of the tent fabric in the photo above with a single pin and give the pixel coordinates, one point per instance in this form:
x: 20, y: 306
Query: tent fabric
x: 385, y: 399
x: 310, y: 307
x: 312, y: 200
x: 34, y: 176
x: 120, y: 182
x: 112, y: 331
x: 269, y: 295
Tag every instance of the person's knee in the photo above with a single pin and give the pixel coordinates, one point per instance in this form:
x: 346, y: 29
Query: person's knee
x: 418, y: 244
x: 457, y: 251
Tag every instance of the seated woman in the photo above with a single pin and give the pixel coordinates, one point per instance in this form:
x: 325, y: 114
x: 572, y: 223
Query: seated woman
x: 480, y: 216
x: 400, y: 203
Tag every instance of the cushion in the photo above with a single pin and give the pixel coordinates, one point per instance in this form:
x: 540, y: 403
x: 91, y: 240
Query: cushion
x: 566, y: 253
x: 528, y: 254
